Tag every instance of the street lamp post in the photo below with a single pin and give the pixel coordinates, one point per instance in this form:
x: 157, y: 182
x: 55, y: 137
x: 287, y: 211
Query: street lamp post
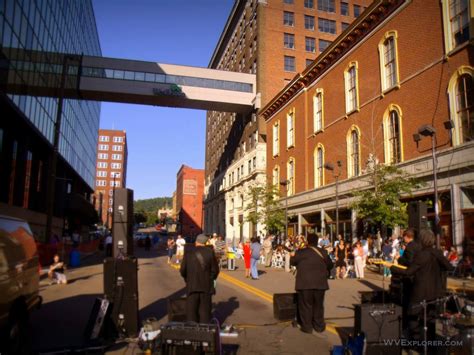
x: 329, y: 166
x: 285, y: 183
x: 429, y: 131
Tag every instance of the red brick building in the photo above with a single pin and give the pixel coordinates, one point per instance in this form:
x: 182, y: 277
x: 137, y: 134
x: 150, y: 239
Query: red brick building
x: 111, y: 170
x: 400, y: 65
x: 189, y: 194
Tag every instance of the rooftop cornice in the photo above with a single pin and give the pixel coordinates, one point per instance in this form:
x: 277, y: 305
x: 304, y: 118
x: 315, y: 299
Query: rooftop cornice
x: 357, y: 31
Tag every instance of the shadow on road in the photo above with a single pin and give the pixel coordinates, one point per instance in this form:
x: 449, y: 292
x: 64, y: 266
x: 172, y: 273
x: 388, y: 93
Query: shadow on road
x: 159, y: 308
x: 62, y: 323
x: 224, y: 309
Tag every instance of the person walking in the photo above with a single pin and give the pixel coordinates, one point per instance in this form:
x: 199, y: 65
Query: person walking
x: 313, y: 266
x: 247, y: 257
x: 255, y: 249
x: 268, y: 250
x: 359, y: 260
x: 199, y: 270
x: 341, y: 257
x: 170, y: 245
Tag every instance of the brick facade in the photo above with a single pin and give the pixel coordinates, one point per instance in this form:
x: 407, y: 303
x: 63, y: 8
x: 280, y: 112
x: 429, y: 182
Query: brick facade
x: 420, y: 97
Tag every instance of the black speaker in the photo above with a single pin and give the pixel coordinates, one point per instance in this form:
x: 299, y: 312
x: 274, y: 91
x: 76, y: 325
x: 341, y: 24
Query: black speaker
x: 122, y: 227
x: 100, y: 312
x: 378, y: 321
x: 177, y: 310
x: 121, y: 289
x: 417, y: 216
x: 284, y: 306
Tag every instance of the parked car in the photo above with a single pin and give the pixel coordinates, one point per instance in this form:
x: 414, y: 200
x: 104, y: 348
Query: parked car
x: 19, y: 284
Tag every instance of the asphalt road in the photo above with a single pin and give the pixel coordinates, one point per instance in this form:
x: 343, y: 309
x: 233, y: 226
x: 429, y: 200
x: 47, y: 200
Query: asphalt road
x: 247, y: 304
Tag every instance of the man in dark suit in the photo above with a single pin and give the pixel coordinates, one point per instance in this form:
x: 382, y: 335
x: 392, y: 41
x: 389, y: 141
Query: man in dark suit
x: 199, y: 269
x: 428, y: 270
x: 312, y: 265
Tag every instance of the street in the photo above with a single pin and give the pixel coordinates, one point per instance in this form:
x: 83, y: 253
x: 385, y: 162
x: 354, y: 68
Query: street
x: 246, y: 304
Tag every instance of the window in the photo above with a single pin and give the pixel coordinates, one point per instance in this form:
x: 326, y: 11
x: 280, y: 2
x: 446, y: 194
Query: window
x: 327, y: 26
x: 356, y: 10
x: 114, y: 174
x: 455, y: 22
x: 309, y: 4
x: 118, y: 139
x: 344, y: 8
x: 117, y: 183
x: 276, y: 139
x: 103, y: 156
x: 101, y: 183
x: 117, y: 148
x: 103, y: 147
x: 104, y: 138
x: 393, y: 146
x: 290, y: 177
x: 344, y: 25
x: 276, y: 177
x: 289, y: 63
x: 309, y: 22
x: 319, y: 166
x: 111, y: 201
x: 353, y: 152
x: 116, y: 165
x: 352, y: 100
x: 310, y: 44
x: 27, y: 183
x: 309, y: 62
x: 101, y: 173
x: 327, y: 5
x: 388, y: 61
x: 290, y: 129
x: 249, y: 166
x: 461, y: 104
x: 254, y: 162
x: 323, y: 45
x: 288, y: 18
x: 102, y: 165
x: 289, y: 40
x: 289, y: 2
x: 116, y: 156
x: 318, y: 110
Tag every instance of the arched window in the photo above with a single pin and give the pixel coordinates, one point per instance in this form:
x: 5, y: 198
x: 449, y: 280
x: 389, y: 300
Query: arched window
x: 461, y: 104
x: 465, y: 107
x: 276, y: 177
x: 353, y: 152
x: 318, y: 110
x: 392, y: 128
x: 388, y: 61
x: 351, y: 88
x: 319, y: 166
x: 290, y: 177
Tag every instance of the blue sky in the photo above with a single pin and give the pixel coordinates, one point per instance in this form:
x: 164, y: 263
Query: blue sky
x: 160, y: 139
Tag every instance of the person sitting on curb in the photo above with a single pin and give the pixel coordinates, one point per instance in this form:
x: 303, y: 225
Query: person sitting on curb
x: 56, y: 271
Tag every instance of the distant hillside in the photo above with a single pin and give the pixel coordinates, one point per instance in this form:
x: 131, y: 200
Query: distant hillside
x: 152, y: 204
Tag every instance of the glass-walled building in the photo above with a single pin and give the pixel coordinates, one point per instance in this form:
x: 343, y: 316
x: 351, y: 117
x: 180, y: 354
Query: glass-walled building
x: 39, y: 32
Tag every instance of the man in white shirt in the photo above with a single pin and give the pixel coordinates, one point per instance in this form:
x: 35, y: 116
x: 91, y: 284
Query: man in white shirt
x: 180, y: 242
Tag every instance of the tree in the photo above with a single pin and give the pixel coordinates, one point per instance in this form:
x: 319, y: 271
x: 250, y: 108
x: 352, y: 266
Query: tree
x: 381, y: 204
x: 264, y: 207
x: 140, y: 217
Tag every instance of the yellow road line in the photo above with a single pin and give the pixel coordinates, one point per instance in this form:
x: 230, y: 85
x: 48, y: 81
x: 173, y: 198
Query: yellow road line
x: 257, y: 292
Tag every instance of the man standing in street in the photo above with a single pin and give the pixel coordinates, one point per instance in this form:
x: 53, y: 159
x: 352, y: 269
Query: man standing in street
x: 199, y: 270
x: 312, y: 265
x: 180, y: 243
x: 267, y: 250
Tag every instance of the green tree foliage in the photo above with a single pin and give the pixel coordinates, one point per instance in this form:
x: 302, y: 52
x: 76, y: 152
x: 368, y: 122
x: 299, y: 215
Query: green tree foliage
x: 140, y: 217
x: 381, y: 204
x: 263, y: 206
x: 152, y: 204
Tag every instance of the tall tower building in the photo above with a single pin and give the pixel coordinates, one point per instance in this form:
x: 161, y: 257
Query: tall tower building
x: 273, y: 39
x: 111, y: 170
